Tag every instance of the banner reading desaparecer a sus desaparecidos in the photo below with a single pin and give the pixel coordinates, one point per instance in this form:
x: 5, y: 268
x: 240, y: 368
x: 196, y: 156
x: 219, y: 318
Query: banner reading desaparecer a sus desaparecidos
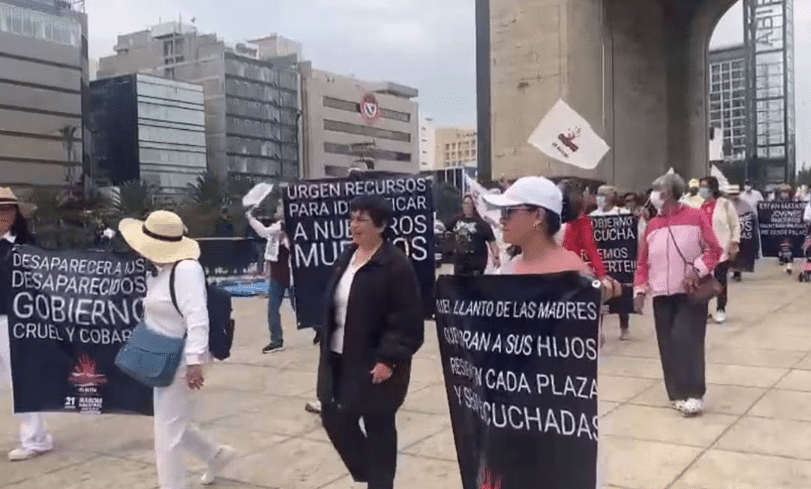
x: 519, y: 355
x: 70, y: 313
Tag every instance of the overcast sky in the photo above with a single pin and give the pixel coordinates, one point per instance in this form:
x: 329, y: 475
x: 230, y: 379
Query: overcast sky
x: 427, y: 44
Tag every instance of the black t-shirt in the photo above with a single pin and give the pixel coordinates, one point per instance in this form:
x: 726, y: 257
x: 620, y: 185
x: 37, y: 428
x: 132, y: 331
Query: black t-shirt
x: 471, y: 238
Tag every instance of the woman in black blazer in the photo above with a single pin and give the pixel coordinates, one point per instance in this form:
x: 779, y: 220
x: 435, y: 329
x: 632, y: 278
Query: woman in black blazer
x: 373, y: 327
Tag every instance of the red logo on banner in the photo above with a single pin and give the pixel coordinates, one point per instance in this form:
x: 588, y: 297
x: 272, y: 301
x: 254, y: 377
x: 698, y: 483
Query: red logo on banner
x: 369, y: 108
x: 489, y: 480
x: 84, y: 373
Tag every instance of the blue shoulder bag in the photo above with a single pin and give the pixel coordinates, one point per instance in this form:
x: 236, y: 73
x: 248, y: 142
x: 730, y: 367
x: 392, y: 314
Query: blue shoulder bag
x: 149, y: 357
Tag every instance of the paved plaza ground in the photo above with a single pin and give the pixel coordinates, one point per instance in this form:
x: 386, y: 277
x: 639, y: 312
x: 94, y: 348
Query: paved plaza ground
x: 756, y: 433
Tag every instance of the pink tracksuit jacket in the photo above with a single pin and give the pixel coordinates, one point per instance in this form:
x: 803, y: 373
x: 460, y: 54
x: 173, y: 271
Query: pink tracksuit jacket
x: 660, y: 269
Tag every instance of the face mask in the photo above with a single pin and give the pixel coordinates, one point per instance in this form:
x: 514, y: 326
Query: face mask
x: 601, y: 202
x: 704, y: 192
x: 656, y: 199
x: 748, y: 188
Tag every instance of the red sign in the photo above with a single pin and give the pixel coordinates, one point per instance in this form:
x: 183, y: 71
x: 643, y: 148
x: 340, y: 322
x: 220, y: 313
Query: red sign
x: 369, y: 108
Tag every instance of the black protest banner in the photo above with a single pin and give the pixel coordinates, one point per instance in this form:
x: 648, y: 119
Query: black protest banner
x: 519, y: 354
x: 231, y: 257
x: 70, y: 312
x: 617, y: 240
x: 781, y: 222
x: 317, y: 224
x: 750, y: 243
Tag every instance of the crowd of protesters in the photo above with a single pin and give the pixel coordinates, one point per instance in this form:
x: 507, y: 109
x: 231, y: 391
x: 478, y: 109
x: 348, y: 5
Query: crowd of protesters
x: 689, y: 236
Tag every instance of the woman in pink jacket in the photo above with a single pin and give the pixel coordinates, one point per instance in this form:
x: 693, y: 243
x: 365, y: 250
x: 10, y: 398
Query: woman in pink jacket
x: 679, y: 247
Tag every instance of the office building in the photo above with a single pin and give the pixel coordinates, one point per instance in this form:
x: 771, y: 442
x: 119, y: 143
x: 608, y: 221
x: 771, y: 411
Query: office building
x: 427, y: 143
x: 148, y: 128
x: 351, y: 123
x: 251, y: 93
x: 43, y: 74
x: 455, y: 146
x: 727, y: 99
x: 769, y: 40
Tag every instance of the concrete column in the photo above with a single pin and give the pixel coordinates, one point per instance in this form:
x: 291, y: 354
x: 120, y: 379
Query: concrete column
x: 635, y: 69
x: 541, y: 51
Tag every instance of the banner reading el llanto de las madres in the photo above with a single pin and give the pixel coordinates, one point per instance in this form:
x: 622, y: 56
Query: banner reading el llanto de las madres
x: 519, y: 355
x: 70, y: 313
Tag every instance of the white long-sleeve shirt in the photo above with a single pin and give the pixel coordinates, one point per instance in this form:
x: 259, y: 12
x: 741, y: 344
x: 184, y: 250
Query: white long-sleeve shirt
x: 161, y: 316
x: 273, y: 234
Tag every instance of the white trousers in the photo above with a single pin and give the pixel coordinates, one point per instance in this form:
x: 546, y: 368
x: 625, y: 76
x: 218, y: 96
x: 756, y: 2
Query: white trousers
x: 174, y: 432
x: 33, y: 430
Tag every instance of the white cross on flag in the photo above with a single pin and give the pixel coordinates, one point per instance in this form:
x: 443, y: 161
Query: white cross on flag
x: 566, y: 136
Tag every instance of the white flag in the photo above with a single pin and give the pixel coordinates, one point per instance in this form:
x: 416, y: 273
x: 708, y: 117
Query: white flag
x: 565, y: 136
x: 257, y: 194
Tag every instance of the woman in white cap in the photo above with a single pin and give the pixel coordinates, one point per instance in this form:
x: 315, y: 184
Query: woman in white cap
x: 161, y: 240
x: 34, y: 437
x: 530, y: 217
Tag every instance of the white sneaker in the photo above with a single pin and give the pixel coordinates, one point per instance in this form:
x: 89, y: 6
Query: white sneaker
x: 720, y: 316
x: 693, y: 407
x: 679, y: 406
x: 313, y: 407
x: 225, y: 455
x: 19, y: 454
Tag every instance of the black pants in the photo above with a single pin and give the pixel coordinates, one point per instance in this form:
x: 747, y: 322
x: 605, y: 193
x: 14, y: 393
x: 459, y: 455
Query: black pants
x: 721, y: 275
x: 681, y: 327
x: 369, y: 457
x: 468, y: 269
x: 625, y: 319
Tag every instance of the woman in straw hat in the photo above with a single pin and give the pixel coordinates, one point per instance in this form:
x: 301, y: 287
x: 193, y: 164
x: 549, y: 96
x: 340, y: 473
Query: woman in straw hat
x: 34, y: 437
x: 161, y: 240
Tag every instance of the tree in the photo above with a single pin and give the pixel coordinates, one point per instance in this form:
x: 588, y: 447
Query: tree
x: 135, y: 199
x: 205, y: 198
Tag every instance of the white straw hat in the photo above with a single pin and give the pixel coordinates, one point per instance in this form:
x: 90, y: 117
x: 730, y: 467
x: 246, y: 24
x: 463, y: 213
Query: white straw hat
x: 7, y: 197
x: 160, y: 238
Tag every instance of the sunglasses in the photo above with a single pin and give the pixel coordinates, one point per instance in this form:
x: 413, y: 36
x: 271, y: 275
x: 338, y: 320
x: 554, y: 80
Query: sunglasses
x: 507, y: 212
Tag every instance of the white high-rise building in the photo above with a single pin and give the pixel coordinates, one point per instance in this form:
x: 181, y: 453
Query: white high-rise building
x: 427, y: 143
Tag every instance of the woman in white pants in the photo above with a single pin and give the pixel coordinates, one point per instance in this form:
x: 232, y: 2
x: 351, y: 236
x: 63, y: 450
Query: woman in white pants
x: 34, y: 437
x: 160, y: 239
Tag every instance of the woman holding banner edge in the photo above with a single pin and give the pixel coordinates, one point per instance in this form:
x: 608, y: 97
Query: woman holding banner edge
x: 531, y: 214
x: 35, y: 439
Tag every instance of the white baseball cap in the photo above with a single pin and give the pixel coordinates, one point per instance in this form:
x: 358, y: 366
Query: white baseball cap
x: 534, y: 191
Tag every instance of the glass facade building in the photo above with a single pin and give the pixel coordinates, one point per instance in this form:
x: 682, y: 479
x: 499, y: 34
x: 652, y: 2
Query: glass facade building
x: 727, y: 97
x: 769, y: 46
x: 43, y: 82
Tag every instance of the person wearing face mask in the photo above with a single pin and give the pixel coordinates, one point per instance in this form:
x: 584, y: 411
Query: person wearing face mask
x: 802, y: 194
x: 606, y: 206
x: 679, y: 247
x: 751, y: 195
x: 693, y: 196
x: 783, y: 193
x: 727, y: 227
x: 607, y: 202
x: 35, y: 439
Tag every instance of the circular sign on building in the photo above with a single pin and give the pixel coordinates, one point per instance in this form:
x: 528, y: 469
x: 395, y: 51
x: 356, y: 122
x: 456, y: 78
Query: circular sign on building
x: 369, y: 108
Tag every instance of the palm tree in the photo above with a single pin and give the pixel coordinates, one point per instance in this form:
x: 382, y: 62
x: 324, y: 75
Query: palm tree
x: 136, y: 198
x: 204, y: 200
